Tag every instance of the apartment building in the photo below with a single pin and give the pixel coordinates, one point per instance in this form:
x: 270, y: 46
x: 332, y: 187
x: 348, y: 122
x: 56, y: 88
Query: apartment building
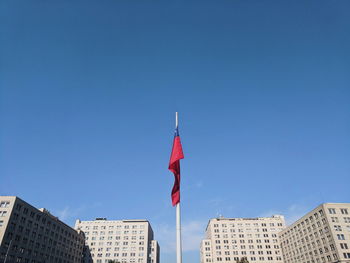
x: 32, y: 235
x: 123, y: 241
x: 230, y: 239
x: 322, y: 235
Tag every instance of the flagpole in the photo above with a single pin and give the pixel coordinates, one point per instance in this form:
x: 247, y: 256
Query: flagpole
x: 178, y: 219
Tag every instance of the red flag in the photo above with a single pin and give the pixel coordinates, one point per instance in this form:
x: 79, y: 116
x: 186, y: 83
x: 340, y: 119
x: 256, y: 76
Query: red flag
x: 174, y: 166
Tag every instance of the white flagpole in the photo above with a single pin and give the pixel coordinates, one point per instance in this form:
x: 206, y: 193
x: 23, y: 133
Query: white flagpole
x: 178, y: 220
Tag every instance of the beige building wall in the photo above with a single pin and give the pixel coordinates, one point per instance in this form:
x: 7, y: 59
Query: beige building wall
x: 229, y: 239
x: 125, y: 241
x: 155, y: 252
x: 322, y: 235
x: 28, y: 234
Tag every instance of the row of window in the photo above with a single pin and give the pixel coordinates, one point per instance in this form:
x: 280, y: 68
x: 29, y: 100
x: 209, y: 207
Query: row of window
x: 246, y: 230
x: 134, y: 232
x: 108, y: 255
x: 114, y: 227
x: 141, y: 243
x: 123, y: 260
x: 253, y: 252
x: 343, y: 211
x: 345, y: 219
x: 100, y: 249
x: 322, y: 259
x: 248, y: 225
x: 243, y: 247
x: 235, y: 236
x: 116, y: 238
x: 228, y: 259
x: 250, y: 241
x: 235, y: 241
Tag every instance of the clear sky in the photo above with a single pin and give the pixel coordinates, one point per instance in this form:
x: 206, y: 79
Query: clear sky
x: 89, y: 90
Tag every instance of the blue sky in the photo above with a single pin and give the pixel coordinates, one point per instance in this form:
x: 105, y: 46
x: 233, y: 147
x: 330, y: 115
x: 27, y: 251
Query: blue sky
x: 89, y: 90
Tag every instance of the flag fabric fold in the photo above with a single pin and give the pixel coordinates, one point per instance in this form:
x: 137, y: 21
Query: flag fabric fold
x: 174, y: 166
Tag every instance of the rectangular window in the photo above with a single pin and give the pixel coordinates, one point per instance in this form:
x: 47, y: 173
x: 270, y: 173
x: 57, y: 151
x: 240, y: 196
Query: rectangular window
x: 341, y: 237
x: 331, y: 211
x: 344, y: 245
x: 337, y: 228
x: 3, y: 213
x: 344, y: 211
x: 4, y: 204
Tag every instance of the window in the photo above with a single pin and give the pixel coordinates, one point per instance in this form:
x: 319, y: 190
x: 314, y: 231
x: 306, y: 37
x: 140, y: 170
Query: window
x: 4, y: 204
x: 344, y: 245
x: 331, y: 210
x: 3, y: 213
x: 344, y: 211
x: 340, y: 237
x: 337, y: 228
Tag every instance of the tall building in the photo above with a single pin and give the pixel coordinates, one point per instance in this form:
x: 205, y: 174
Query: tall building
x: 32, y: 235
x: 124, y: 241
x: 322, y: 235
x: 230, y: 239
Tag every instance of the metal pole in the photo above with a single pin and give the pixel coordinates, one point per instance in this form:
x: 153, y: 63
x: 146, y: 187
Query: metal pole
x: 178, y: 219
x: 178, y: 235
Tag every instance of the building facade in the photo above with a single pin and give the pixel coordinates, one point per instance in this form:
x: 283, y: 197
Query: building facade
x: 322, y: 235
x: 230, y: 239
x: 32, y: 235
x: 124, y: 241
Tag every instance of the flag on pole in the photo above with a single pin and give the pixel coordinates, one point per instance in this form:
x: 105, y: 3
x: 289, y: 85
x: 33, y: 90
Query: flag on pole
x: 174, y: 166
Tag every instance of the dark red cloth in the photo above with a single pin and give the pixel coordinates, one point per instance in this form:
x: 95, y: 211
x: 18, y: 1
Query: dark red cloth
x: 174, y: 166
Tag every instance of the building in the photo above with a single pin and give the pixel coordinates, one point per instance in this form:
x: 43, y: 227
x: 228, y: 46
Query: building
x: 28, y: 234
x: 230, y: 239
x: 124, y: 241
x: 322, y: 235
